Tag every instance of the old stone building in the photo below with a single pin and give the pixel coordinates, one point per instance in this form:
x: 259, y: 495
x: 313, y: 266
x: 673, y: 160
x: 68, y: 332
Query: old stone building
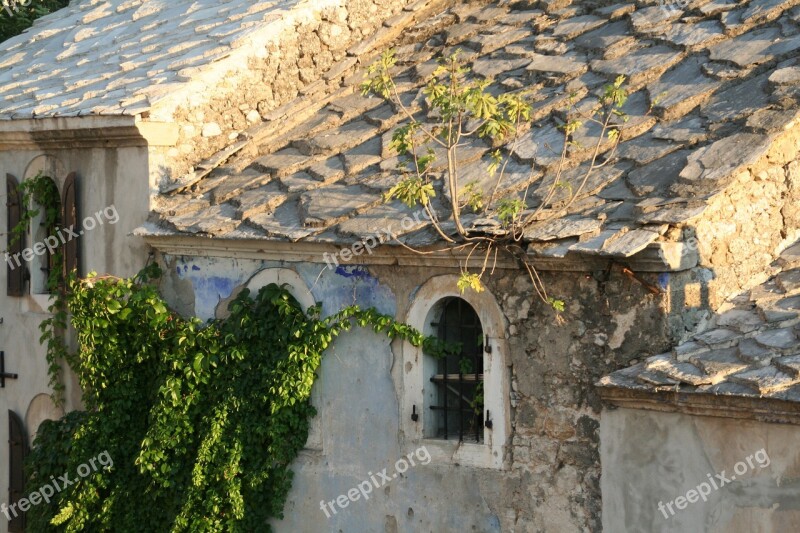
x: 236, y: 146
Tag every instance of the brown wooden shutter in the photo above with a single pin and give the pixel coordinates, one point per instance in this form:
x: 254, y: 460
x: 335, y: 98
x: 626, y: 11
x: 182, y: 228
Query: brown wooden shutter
x: 17, y: 451
x: 69, y: 219
x: 16, y: 267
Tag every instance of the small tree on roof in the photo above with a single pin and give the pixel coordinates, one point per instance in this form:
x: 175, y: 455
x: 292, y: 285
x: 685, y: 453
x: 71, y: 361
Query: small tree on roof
x: 465, y: 108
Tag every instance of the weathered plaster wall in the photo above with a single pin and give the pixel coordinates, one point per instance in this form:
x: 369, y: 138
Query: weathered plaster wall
x: 650, y: 457
x: 113, y: 176
x: 551, y: 479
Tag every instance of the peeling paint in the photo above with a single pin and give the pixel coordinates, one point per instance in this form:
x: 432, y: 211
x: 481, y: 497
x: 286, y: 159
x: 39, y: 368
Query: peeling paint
x: 624, y: 323
x: 353, y: 272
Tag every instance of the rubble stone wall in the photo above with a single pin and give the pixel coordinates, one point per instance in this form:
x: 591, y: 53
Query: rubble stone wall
x: 609, y: 321
x: 308, y: 59
x: 744, y: 230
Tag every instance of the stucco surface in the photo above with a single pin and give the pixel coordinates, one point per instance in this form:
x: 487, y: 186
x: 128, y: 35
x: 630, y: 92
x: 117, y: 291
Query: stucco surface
x: 651, y: 457
x: 550, y: 475
x: 113, y: 176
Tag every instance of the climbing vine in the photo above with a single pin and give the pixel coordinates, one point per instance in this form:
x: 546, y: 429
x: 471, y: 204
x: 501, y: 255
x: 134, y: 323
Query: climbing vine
x: 38, y: 194
x: 202, y: 420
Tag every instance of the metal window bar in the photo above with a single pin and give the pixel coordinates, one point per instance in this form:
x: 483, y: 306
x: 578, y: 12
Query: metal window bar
x: 445, y: 398
x: 475, y: 421
x: 460, y: 323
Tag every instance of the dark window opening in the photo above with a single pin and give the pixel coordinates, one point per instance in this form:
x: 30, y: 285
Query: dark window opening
x: 16, y: 268
x: 17, y: 451
x: 459, y: 376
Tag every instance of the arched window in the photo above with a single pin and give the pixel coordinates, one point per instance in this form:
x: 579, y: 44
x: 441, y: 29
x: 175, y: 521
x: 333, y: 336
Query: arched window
x: 458, y: 405
x: 32, y: 256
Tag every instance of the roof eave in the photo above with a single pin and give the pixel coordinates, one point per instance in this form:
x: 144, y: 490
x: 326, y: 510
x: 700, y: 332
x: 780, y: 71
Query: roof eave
x: 90, y: 131
x: 756, y: 408
x: 658, y: 257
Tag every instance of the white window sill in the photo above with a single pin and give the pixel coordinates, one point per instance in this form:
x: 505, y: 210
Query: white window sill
x: 465, y: 453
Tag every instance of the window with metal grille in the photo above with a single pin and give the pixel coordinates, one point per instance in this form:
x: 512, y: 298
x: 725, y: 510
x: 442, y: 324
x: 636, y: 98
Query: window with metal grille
x: 458, y: 408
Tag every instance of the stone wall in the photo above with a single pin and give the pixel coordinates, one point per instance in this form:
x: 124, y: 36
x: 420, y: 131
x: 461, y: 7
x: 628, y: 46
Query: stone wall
x: 319, y: 46
x: 551, y: 481
x: 743, y: 231
x: 609, y: 321
x: 651, y: 458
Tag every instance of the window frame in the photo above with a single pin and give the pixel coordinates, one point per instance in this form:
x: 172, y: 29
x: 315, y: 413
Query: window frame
x: 466, y: 389
x: 416, y: 383
x: 66, y: 184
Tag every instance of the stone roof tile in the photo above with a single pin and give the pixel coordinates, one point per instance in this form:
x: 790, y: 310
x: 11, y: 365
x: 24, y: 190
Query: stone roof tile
x: 641, y: 66
x: 723, y: 98
x: 102, y: 40
x: 747, y: 355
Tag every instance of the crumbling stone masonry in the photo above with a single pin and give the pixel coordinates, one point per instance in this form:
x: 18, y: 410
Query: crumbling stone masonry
x: 296, y: 63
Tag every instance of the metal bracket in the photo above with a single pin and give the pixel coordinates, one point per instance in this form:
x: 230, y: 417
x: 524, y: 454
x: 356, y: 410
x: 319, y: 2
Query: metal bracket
x: 3, y: 374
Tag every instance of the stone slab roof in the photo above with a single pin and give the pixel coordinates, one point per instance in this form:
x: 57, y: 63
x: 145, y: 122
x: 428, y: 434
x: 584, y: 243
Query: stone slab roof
x: 135, y: 57
x: 753, y: 352
x: 724, y: 77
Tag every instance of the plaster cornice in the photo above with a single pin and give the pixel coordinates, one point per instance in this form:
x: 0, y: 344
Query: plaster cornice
x: 85, y: 132
x: 691, y: 403
x: 658, y: 257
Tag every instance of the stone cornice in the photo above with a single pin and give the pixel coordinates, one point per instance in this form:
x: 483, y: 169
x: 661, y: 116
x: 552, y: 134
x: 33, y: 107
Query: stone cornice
x: 658, y: 257
x: 691, y: 403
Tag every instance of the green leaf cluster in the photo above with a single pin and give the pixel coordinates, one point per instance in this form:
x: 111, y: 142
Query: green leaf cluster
x: 202, y: 421
x: 21, y: 17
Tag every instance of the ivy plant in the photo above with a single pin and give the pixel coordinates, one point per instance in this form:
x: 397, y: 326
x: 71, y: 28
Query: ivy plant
x: 202, y: 421
x: 40, y: 195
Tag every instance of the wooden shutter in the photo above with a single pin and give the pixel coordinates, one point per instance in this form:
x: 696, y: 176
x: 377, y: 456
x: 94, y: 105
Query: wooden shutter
x: 17, y: 451
x: 16, y: 267
x: 69, y: 219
